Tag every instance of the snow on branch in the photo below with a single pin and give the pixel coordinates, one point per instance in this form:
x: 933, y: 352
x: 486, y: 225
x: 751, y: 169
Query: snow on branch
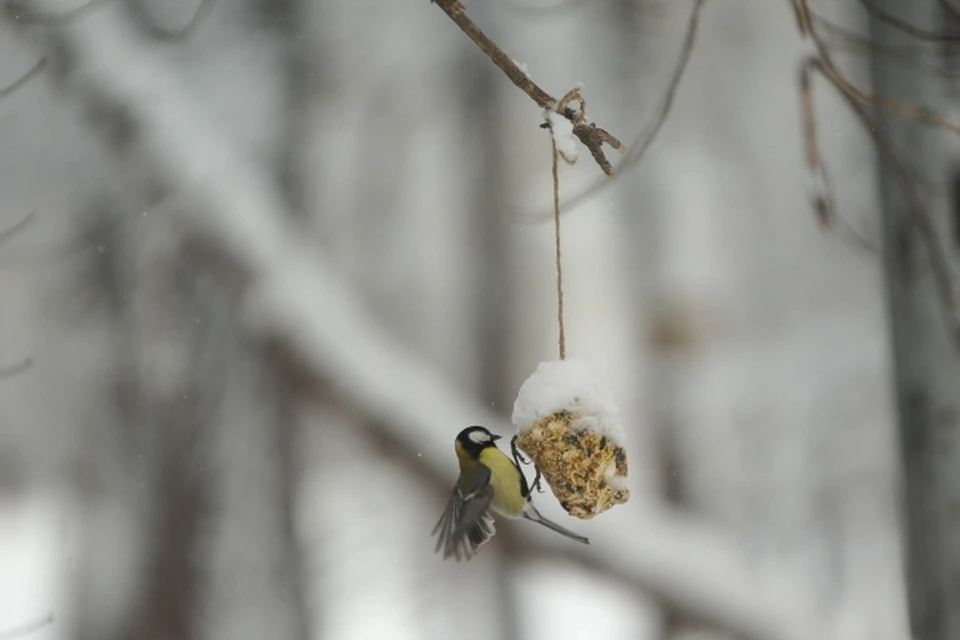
x: 298, y: 299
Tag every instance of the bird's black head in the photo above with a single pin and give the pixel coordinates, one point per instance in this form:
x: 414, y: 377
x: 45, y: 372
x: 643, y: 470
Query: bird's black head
x: 473, y: 440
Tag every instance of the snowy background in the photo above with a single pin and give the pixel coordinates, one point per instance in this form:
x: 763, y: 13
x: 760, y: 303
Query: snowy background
x: 277, y: 264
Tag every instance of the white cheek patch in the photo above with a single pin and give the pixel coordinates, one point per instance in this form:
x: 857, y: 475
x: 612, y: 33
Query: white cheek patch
x: 479, y: 437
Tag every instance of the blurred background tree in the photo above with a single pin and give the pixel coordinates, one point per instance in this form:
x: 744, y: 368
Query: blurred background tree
x: 284, y: 250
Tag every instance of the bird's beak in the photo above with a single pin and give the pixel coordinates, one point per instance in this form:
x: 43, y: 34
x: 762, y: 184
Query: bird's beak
x: 495, y: 437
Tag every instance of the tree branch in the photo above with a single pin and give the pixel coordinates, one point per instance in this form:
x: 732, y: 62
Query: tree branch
x: 297, y: 299
x: 589, y: 133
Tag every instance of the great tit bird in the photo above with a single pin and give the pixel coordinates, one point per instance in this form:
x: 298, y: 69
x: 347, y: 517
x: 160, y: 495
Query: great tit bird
x: 489, y: 482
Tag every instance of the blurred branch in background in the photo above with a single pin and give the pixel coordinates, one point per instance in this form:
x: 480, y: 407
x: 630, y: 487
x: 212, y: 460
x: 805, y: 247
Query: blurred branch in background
x: 7, y: 234
x: 198, y: 414
x: 227, y: 202
x: 927, y: 360
x: 948, y: 9
x: 201, y: 432
x: 925, y: 313
x: 844, y: 39
x: 865, y: 106
x: 879, y: 14
x: 20, y: 11
x: 530, y: 9
x: 141, y: 14
x: 7, y: 371
x: 16, y: 84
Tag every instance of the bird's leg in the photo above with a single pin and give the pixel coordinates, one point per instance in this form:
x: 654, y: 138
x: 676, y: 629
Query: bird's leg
x: 517, y: 456
x: 536, y: 479
x: 518, y: 459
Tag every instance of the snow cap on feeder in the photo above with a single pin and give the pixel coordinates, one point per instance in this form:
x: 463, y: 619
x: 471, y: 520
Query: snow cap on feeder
x: 569, y: 424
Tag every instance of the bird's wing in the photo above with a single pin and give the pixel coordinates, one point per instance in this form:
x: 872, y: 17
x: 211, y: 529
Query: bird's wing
x: 466, y: 522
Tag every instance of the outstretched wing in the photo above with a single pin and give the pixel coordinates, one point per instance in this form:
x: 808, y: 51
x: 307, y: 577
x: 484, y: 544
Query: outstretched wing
x: 466, y: 522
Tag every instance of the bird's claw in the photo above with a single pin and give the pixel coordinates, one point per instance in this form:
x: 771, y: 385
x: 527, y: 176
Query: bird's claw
x: 517, y: 456
x: 536, y: 480
x: 519, y: 459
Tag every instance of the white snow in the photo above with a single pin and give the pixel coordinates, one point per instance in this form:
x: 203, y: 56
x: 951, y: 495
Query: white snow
x: 522, y: 66
x: 562, y: 130
x: 569, y: 385
x: 615, y: 481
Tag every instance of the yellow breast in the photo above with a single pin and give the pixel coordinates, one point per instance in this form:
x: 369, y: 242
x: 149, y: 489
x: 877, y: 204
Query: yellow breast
x: 507, y: 500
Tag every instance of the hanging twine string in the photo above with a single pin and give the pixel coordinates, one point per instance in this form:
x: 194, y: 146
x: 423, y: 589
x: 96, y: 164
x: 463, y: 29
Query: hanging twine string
x: 576, y: 114
x: 561, y: 339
